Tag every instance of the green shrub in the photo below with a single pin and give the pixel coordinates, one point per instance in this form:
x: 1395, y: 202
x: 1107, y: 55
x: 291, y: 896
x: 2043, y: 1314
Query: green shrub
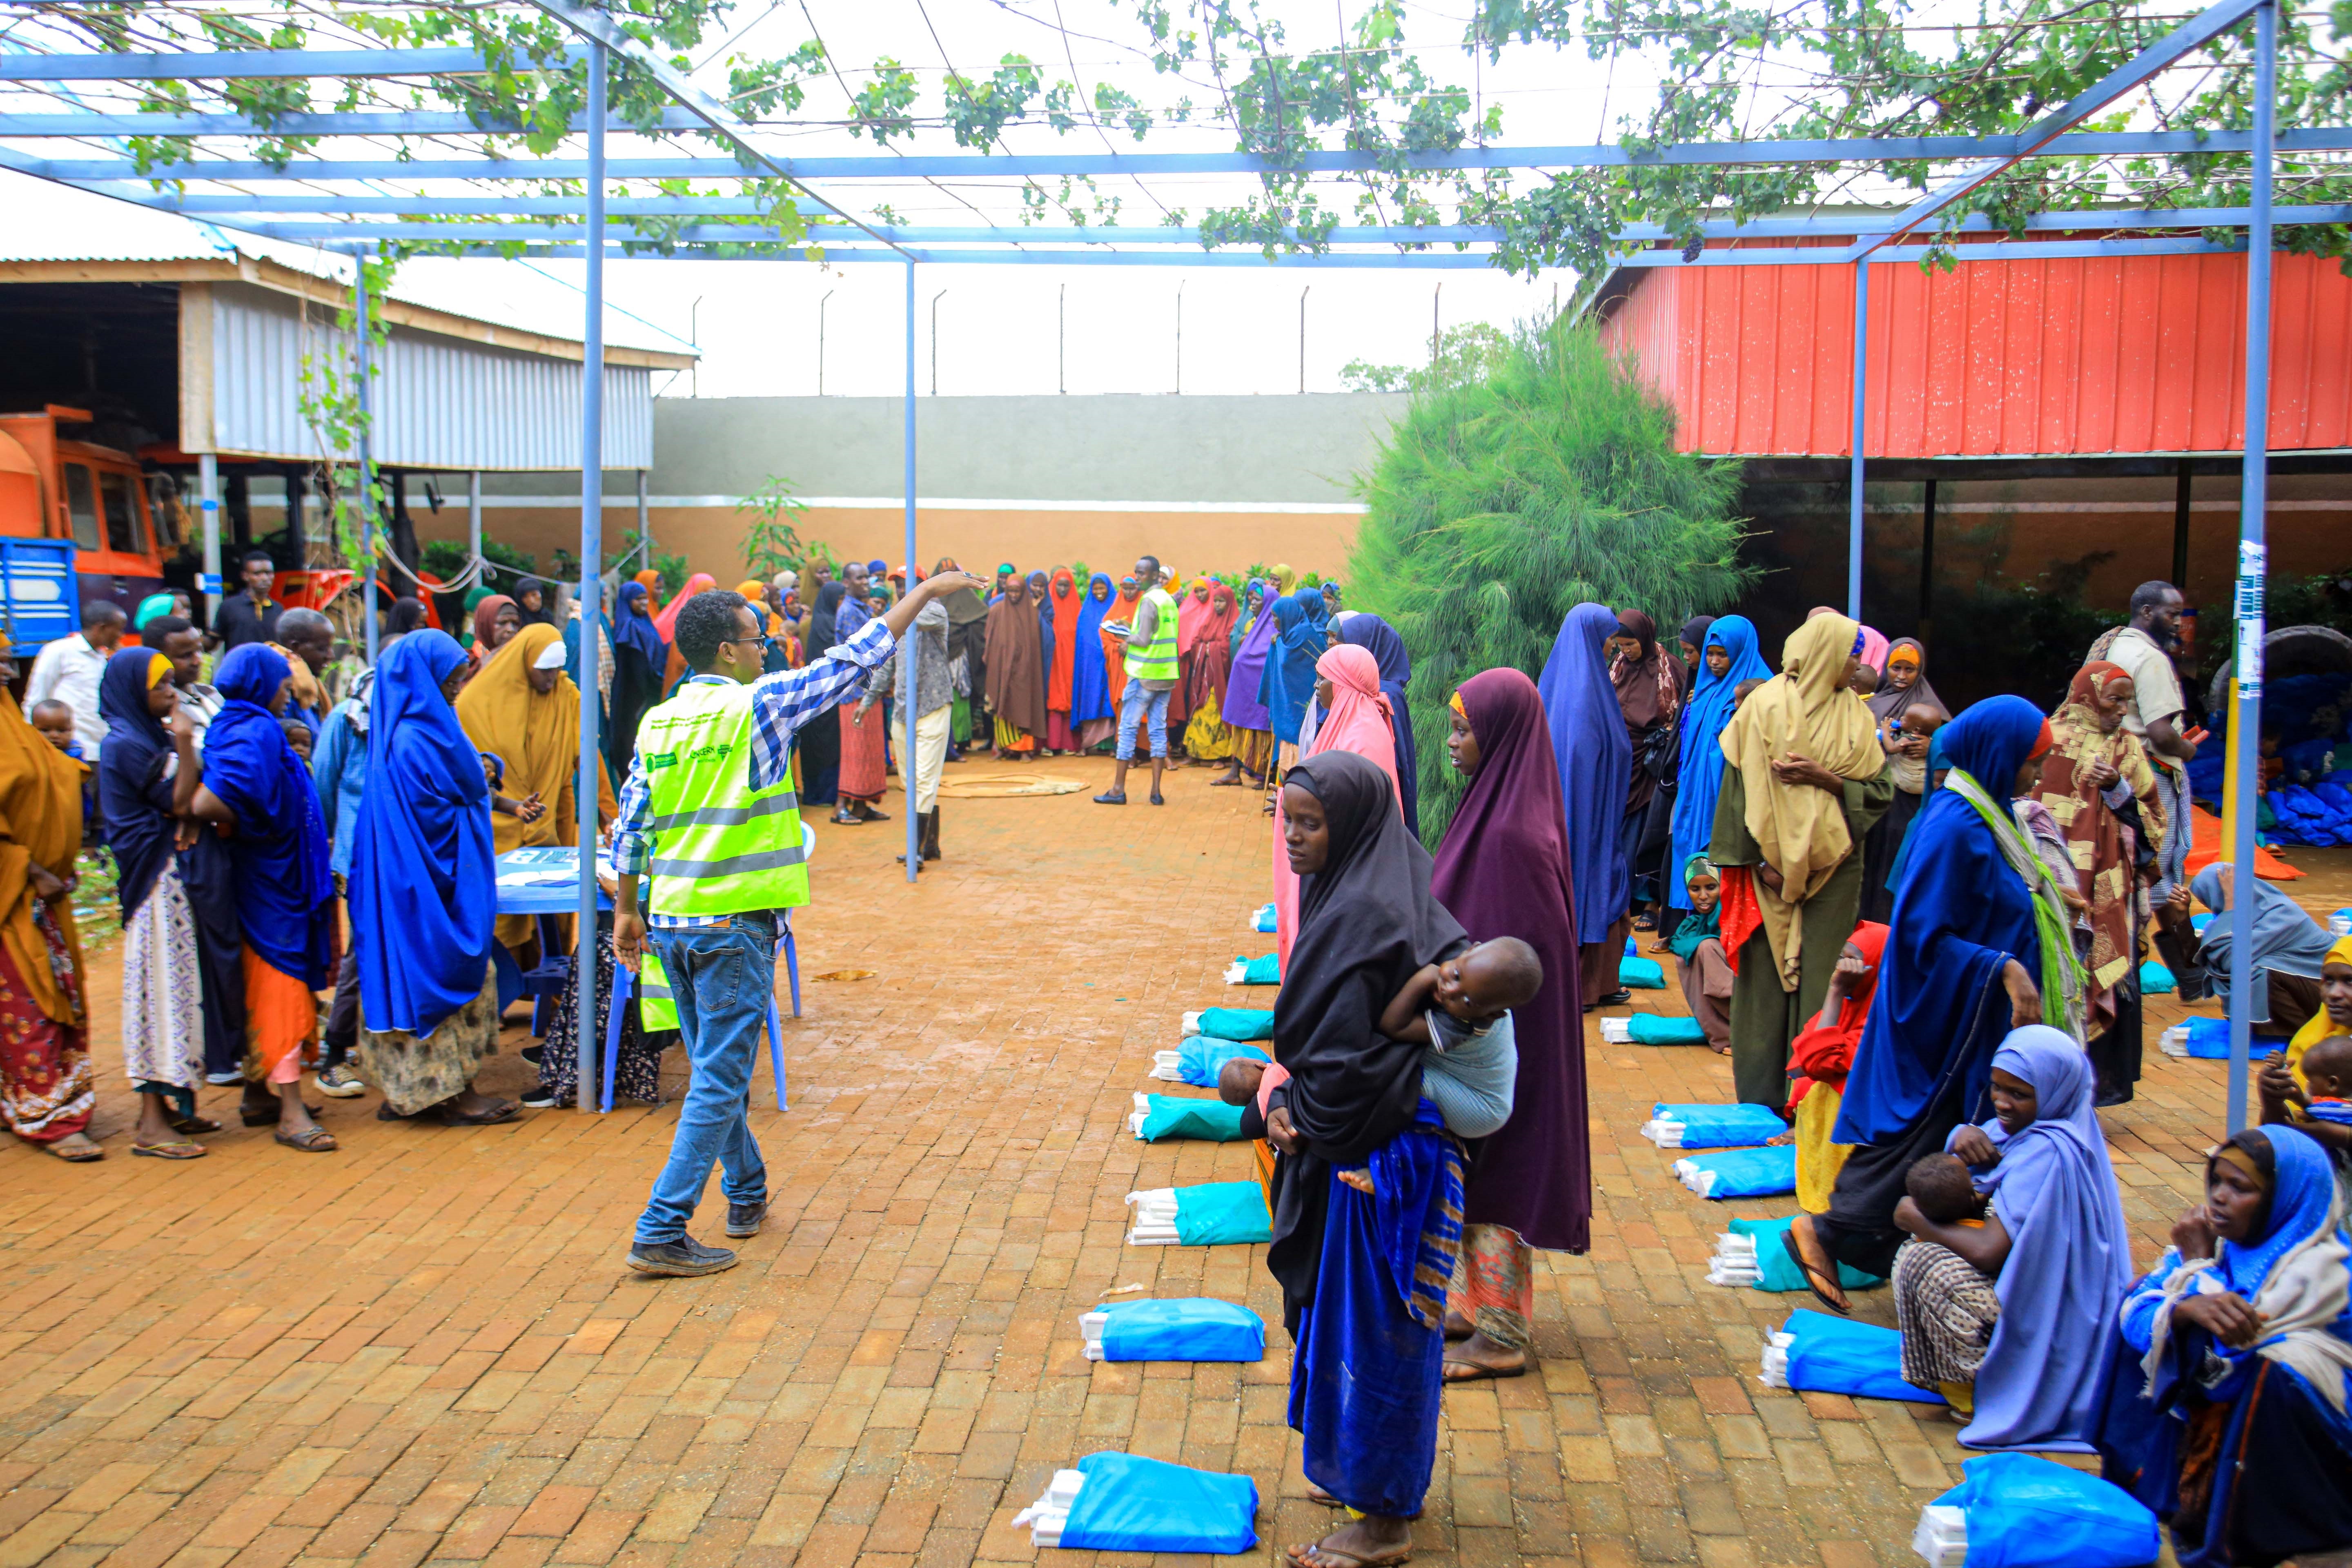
x: 1499, y: 503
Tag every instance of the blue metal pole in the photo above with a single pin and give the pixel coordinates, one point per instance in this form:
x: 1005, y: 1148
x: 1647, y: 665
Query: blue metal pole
x: 585, y: 792
x: 912, y: 647
x: 1854, y: 484
x: 364, y: 365
x: 2253, y: 549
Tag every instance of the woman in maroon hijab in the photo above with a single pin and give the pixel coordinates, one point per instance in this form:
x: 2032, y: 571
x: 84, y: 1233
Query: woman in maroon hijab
x: 1503, y: 871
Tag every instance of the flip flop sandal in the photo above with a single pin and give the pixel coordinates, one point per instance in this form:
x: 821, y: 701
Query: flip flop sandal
x: 317, y: 1141
x: 255, y: 1118
x: 503, y: 1111
x: 1479, y: 1372
x: 1316, y: 1494
x: 195, y: 1125
x: 1296, y: 1556
x: 169, y: 1151
x: 1812, y: 1274
x: 76, y: 1156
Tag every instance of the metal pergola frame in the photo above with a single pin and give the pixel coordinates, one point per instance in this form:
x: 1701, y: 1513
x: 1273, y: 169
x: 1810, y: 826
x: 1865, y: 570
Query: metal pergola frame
x: 370, y: 222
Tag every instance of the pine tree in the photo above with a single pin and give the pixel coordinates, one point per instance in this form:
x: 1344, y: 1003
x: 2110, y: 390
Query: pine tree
x: 1499, y: 503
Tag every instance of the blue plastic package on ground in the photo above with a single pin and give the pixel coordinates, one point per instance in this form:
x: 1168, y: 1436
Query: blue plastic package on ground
x: 1836, y: 1355
x: 2155, y: 980
x: 1134, y: 1504
x: 1263, y: 922
x: 1264, y: 970
x: 1191, y: 1329
x: 1200, y: 1058
x: 1172, y: 1115
x: 1657, y: 1029
x: 1750, y: 1173
x: 1723, y: 1126
x: 1632, y: 947
x: 1217, y: 1214
x: 2208, y: 1041
x: 1641, y: 974
x: 1237, y: 1023
x: 1777, y: 1271
x: 2024, y: 1511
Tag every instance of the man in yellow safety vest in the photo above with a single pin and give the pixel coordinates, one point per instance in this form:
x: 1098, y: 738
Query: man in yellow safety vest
x: 1151, y: 676
x: 710, y: 811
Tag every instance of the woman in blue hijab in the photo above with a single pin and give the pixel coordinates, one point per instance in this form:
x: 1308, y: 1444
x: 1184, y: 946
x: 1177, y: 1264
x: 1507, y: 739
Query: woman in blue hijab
x: 424, y: 893
x: 1288, y: 685
x: 2053, y: 1243
x: 257, y: 788
x: 1596, y: 764
x: 1728, y: 659
x: 639, y: 657
x: 1963, y: 968
x: 1245, y: 710
x: 1379, y: 639
x: 1091, y: 713
x: 2229, y: 1398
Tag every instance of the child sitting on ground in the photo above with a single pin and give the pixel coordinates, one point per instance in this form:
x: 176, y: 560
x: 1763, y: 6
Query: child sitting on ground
x: 1473, y: 1060
x: 1698, y: 947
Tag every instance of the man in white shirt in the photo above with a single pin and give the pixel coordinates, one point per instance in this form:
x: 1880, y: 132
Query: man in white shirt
x: 2160, y: 716
x: 69, y: 669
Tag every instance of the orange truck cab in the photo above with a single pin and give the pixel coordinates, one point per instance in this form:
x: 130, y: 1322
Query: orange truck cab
x: 95, y: 497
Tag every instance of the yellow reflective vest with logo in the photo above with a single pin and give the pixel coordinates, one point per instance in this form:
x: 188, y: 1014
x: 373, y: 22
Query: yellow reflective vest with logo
x: 719, y: 846
x: 1156, y: 660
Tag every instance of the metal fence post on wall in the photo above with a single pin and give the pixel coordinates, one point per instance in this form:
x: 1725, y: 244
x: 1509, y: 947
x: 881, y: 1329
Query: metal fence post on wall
x: 585, y: 792
x: 911, y: 645
x: 208, y: 502
x: 1854, y: 484
x: 2253, y: 550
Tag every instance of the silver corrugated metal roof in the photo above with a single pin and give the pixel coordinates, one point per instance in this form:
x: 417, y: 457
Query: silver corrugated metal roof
x: 440, y: 402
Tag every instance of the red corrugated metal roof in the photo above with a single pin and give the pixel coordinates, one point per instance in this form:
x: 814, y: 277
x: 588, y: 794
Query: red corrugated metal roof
x: 2080, y: 357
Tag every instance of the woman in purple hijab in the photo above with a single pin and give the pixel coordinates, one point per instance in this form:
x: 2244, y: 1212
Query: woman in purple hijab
x: 1503, y: 871
x: 1243, y: 709
x: 1596, y: 768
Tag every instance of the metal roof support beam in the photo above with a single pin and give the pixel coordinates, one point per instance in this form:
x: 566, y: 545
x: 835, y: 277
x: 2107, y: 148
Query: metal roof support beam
x: 265, y: 206
x: 1375, y: 260
x: 2254, y: 558
x: 2199, y: 30
x: 242, y: 65
x: 355, y: 123
x: 2084, y: 144
x: 752, y: 144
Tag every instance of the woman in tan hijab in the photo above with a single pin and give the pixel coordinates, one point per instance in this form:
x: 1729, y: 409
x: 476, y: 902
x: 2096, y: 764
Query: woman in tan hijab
x: 1804, y: 777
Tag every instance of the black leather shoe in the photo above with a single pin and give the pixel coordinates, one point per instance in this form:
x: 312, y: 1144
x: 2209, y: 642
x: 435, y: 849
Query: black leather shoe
x: 1111, y: 797
x: 743, y: 1219
x: 1617, y: 998
x: 683, y: 1257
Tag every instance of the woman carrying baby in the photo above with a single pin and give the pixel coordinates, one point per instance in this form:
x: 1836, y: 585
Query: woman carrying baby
x: 1364, y: 1274
x: 2022, y: 1357
x: 1503, y: 871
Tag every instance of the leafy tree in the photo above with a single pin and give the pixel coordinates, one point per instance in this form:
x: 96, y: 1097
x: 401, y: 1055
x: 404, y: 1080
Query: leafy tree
x: 1464, y: 354
x: 1498, y: 504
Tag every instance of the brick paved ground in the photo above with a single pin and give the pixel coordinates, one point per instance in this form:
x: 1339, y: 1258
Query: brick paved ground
x: 425, y: 1348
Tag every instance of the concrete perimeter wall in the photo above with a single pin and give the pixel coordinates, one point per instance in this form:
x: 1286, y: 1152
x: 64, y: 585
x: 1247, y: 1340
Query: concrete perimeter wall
x: 1202, y: 481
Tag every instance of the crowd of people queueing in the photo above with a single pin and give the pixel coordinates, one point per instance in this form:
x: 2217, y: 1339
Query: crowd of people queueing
x: 1940, y: 1064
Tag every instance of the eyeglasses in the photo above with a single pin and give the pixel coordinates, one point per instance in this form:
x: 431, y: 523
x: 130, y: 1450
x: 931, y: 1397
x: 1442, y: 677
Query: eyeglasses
x: 764, y: 640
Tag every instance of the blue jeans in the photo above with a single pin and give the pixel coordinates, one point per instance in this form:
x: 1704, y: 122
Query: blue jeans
x: 723, y: 977
x: 1134, y: 703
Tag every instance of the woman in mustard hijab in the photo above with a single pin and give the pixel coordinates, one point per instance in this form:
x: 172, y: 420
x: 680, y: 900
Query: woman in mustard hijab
x: 1804, y: 777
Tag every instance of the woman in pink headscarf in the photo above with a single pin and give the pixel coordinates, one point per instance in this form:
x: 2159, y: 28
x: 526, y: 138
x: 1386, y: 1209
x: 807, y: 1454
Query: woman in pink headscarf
x: 1355, y: 719
x: 667, y: 623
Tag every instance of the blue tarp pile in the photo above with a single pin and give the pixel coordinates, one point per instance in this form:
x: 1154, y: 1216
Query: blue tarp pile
x: 2310, y: 814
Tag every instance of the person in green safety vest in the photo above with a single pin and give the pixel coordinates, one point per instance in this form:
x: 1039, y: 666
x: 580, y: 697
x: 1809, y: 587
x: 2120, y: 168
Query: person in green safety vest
x: 708, y: 813
x: 1151, y: 676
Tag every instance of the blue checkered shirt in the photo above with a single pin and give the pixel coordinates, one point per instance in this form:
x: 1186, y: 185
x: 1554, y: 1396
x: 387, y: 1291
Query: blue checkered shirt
x: 781, y: 704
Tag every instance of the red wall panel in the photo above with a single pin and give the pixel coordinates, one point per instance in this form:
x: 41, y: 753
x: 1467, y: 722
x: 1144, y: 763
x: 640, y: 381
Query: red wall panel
x: 2014, y: 358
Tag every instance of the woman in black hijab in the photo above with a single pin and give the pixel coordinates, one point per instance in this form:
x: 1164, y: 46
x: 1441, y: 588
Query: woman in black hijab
x: 1363, y: 1275
x: 820, y: 741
